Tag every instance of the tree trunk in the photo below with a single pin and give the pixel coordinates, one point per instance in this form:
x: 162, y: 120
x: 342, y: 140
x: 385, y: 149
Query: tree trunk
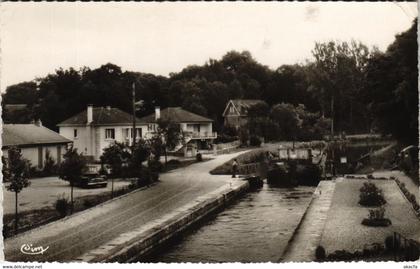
x: 16, y: 213
x: 71, y: 200
x: 166, y: 157
x: 332, y: 116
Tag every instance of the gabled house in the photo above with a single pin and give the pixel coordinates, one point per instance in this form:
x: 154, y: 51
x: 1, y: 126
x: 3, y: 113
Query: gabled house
x: 34, y: 141
x: 96, y: 128
x: 236, y: 111
x: 197, y: 130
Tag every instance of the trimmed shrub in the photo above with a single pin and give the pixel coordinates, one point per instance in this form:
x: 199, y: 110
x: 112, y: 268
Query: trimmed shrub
x: 62, y: 205
x: 371, y: 195
x: 320, y: 253
x: 154, y: 165
x: 255, y: 141
x: 88, y: 203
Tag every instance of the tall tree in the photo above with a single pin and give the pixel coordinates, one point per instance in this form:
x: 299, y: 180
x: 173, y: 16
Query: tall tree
x: 392, y: 87
x: 17, y: 174
x: 71, y: 169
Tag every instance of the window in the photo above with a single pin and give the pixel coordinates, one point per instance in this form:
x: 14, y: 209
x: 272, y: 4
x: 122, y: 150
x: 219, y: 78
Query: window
x: 109, y: 133
x: 138, y: 132
x: 75, y: 133
x: 231, y: 110
x: 151, y: 127
x: 126, y: 133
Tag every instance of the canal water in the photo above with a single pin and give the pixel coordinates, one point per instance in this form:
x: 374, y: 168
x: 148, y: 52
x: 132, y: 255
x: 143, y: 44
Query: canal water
x: 256, y: 228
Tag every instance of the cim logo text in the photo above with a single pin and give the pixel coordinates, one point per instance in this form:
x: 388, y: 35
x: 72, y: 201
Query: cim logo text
x: 31, y: 250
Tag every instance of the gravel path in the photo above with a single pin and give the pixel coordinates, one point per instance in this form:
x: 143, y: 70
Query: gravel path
x: 43, y: 192
x: 73, y: 236
x: 343, y: 229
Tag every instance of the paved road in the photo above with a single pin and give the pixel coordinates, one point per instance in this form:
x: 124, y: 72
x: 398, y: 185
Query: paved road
x: 43, y: 192
x: 71, y: 237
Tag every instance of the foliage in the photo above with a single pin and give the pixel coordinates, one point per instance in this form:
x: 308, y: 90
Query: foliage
x: 371, y: 195
x: 62, y: 205
x: 50, y: 167
x: 391, y: 87
x: 198, y: 157
x: 154, y: 165
x: 358, y: 87
x: 72, y: 167
x: 320, y: 253
x: 114, y: 156
x: 17, y: 171
x: 255, y: 141
x: 410, y: 197
x: 377, y: 218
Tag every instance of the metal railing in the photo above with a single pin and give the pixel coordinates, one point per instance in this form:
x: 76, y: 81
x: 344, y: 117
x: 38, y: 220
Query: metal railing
x: 201, y: 135
x: 405, y: 249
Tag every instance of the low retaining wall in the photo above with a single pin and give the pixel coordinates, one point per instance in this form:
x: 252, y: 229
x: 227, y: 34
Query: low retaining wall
x: 135, y: 245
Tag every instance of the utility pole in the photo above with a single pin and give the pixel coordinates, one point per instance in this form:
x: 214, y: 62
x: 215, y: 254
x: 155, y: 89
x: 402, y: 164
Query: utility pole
x: 134, y: 133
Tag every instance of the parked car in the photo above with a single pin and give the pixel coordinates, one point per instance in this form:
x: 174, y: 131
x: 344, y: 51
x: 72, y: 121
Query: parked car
x: 92, y: 180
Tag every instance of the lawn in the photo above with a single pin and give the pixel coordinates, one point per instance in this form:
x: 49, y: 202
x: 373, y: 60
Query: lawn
x: 343, y: 228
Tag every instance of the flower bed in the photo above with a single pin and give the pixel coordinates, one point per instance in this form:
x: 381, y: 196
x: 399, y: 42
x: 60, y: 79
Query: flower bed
x: 410, y: 197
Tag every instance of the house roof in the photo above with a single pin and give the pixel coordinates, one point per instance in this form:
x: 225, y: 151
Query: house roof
x: 242, y: 105
x: 101, y: 116
x: 175, y: 114
x: 29, y: 134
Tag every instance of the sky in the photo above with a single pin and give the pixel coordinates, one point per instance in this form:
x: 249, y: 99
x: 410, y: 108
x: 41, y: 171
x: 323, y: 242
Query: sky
x: 160, y: 38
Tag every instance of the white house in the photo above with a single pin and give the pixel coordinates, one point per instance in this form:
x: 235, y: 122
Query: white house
x: 34, y: 141
x: 96, y: 128
x: 197, y: 130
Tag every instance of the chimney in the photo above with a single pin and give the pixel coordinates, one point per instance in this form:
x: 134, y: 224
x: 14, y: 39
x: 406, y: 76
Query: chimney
x: 157, y: 113
x: 89, y: 114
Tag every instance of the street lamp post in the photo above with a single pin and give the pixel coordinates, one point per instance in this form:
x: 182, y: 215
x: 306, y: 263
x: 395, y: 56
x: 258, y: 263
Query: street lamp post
x: 134, y: 133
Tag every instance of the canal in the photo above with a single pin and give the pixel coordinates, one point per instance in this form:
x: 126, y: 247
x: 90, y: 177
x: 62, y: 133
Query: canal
x: 256, y: 228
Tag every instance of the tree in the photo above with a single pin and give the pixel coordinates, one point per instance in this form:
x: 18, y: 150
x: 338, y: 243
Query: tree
x: 71, y: 169
x: 336, y: 77
x: 115, y: 155
x: 286, y: 117
x: 17, y: 174
x: 170, y: 134
x: 391, y: 89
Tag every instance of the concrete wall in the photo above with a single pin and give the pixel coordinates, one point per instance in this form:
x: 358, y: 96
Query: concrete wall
x: 33, y: 153
x: 139, y: 243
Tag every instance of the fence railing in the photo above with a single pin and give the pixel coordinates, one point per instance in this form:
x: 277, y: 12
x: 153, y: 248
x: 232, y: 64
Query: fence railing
x: 405, y: 249
x: 225, y: 147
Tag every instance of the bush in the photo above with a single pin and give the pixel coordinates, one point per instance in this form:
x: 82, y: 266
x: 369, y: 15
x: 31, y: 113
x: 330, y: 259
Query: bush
x: 198, y: 157
x: 62, y: 205
x: 320, y: 253
x: 370, y: 195
x: 88, y: 203
x: 376, y: 222
x: 155, y: 166
x: 255, y: 141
